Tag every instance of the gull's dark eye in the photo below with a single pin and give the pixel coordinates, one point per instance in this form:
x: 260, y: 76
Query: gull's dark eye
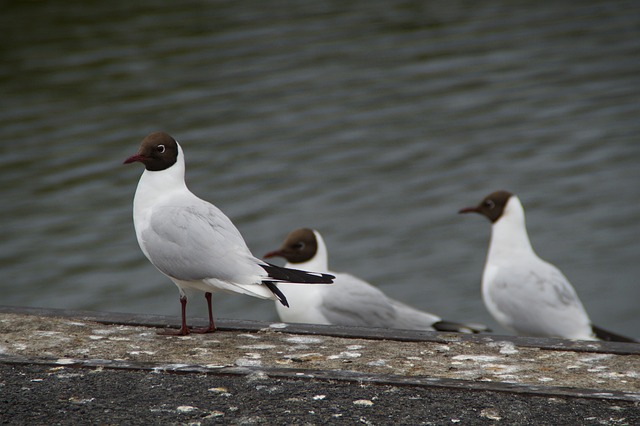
x: 299, y: 245
x: 489, y: 204
x: 160, y: 149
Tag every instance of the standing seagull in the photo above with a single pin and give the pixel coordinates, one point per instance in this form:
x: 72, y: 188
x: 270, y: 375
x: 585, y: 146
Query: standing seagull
x: 350, y: 301
x: 191, y: 241
x: 523, y: 292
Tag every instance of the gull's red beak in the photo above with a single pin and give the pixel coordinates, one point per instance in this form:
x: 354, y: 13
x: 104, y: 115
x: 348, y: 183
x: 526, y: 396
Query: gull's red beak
x: 134, y: 158
x: 275, y: 253
x: 469, y: 210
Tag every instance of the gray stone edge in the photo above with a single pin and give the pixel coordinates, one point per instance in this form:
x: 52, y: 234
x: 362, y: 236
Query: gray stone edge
x: 370, y: 333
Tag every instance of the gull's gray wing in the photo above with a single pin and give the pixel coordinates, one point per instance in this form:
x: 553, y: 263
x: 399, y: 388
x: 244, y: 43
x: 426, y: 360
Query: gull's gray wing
x: 410, y: 318
x: 539, y: 300
x: 354, y: 302
x: 196, y: 241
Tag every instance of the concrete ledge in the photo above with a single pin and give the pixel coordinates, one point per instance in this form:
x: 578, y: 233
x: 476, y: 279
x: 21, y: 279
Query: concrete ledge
x: 317, y: 374
x: 161, y: 321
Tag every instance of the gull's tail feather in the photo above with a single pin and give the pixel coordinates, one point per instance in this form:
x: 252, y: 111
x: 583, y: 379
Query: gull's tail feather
x: 608, y: 336
x: 295, y: 276
x: 460, y: 328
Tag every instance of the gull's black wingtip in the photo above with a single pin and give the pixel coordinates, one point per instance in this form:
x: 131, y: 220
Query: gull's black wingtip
x: 460, y: 328
x: 609, y: 336
x: 275, y: 290
x: 296, y: 276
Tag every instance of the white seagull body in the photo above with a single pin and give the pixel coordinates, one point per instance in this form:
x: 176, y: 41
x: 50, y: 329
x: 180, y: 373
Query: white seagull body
x: 522, y: 292
x: 350, y: 301
x: 190, y: 240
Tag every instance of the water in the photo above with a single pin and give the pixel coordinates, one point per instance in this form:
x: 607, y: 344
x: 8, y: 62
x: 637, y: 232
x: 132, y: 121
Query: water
x: 373, y: 123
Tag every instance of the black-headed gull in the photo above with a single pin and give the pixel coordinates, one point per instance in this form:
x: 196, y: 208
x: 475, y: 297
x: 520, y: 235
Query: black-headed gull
x: 350, y: 301
x: 191, y: 241
x: 524, y: 293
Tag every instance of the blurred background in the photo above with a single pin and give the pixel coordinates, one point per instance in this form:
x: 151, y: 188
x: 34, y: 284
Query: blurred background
x: 371, y: 121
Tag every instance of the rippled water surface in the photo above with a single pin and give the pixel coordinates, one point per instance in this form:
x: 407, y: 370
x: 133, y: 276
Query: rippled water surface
x: 373, y: 122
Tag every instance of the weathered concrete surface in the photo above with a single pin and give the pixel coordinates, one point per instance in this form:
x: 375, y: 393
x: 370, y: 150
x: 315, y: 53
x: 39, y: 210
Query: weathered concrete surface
x: 114, y: 368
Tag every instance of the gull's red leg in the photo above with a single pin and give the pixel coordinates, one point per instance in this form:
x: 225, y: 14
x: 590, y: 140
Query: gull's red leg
x: 183, y: 330
x: 212, y: 326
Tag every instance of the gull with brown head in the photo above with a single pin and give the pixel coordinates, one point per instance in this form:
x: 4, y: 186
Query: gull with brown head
x: 191, y: 241
x: 522, y: 292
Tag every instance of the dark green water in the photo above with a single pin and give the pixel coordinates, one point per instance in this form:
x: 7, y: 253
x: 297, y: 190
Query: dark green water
x: 373, y: 122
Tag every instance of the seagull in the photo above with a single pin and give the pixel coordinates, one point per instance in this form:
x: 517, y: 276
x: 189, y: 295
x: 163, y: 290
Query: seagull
x: 191, y: 241
x: 524, y: 293
x: 350, y: 301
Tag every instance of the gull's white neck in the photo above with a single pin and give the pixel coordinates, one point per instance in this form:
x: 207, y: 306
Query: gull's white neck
x: 509, y: 232
x: 319, y: 262
x: 153, y: 186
